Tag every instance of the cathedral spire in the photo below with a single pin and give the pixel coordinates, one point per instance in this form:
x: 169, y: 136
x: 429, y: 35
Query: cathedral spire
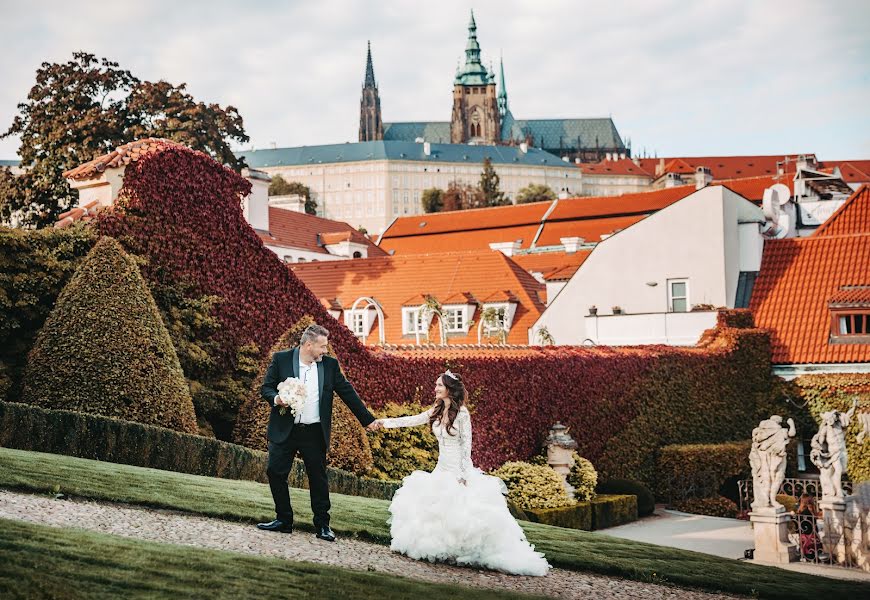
x: 473, y: 72
x: 371, y: 125
x: 370, y: 70
x: 502, y: 90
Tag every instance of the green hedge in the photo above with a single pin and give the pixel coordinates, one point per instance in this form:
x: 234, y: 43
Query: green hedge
x: 600, y: 513
x: 646, y: 501
x: 699, y: 470
x: 105, y: 350
x: 397, y: 452
x: 27, y: 427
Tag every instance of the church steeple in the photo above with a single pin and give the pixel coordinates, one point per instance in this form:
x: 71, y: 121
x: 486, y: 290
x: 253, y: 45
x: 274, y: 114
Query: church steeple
x: 475, y: 116
x: 502, y: 90
x: 473, y: 72
x: 371, y: 125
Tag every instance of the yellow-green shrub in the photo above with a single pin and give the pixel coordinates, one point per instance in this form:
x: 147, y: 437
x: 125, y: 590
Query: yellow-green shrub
x: 396, y: 453
x: 583, y: 477
x: 533, y: 486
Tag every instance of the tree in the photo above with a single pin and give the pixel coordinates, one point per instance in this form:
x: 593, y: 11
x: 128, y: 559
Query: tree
x: 461, y: 196
x: 86, y: 107
x: 491, y: 195
x: 433, y: 200
x: 535, y: 192
x: 281, y: 187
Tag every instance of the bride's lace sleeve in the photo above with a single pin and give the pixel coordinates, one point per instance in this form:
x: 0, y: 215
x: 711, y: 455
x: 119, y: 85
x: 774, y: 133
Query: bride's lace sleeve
x: 464, y: 422
x: 411, y: 421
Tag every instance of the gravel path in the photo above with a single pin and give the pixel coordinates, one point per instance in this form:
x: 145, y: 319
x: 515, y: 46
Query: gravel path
x: 189, y: 530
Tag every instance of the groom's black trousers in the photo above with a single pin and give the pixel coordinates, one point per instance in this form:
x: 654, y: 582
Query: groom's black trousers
x: 309, y: 442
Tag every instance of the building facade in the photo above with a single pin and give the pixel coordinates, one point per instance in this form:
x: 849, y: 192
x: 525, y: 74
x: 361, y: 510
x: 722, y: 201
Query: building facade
x: 369, y: 184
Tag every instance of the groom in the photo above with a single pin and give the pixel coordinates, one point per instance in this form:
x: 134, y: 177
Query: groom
x: 308, y: 432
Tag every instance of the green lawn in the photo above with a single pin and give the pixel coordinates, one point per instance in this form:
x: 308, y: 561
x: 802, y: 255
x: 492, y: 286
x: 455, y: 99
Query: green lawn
x: 46, y: 562
x: 366, y: 518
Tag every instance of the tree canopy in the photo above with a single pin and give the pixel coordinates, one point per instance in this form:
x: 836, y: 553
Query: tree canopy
x: 86, y: 107
x: 281, y: 187
x: 535, y: 192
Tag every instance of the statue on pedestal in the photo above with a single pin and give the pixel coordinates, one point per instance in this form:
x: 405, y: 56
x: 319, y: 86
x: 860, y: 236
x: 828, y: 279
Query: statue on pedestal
x: 767, y: 459
x: 828, y: 451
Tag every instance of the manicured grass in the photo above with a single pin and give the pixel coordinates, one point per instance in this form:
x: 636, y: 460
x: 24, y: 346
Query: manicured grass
x: 46, y: 562
x: 364, y: 517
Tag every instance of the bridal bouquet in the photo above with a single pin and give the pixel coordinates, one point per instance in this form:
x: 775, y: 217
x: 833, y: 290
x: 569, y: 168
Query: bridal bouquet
x: 292, y: 391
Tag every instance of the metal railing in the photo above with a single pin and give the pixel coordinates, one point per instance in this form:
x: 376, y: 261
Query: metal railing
x: 791, y: 486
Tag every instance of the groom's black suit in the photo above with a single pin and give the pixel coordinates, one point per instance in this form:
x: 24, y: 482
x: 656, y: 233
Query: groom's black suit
x: 286, y: 438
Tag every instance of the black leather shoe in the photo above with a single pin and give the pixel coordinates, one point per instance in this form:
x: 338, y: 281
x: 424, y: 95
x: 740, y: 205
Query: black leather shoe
x: 325, y: 533
x: 276, y: 525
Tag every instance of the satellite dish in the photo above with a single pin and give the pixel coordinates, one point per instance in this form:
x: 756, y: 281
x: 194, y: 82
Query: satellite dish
x: 783, y: 193
x: 774, y: 198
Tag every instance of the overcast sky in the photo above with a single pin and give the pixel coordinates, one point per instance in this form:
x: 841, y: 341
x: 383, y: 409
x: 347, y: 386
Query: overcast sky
x: 680, y: 78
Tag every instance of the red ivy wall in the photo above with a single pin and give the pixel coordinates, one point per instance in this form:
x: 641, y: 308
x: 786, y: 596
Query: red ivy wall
x: 182, y: 210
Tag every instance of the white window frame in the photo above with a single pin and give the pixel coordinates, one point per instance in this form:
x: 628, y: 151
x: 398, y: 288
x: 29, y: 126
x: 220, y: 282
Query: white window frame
x: 423, y: 324
x: 360, y: 321
x: 508, y: 307
x: 461, y: 309
x: 671, y: 296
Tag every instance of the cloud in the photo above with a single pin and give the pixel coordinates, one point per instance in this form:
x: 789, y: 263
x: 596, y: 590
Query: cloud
x: 706, y: 77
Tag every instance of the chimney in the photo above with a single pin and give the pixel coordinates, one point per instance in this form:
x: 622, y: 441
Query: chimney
x: 636, y: 161
x: 660, y: 168
x: 427, y: 148
x: 572, y: 244
x: 577, y: 160
x: 622, y: 156
x: 703, y: 177
x: 294, y: 202
x: 255, y: 205
x: 607, y: 156
x: 524, y: 148
x: 506, y: 248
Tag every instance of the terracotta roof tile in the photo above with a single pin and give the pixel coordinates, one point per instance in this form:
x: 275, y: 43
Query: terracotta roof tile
x: 852, y: 217
x: 623, y: 166
x: 724, y: 167
x: 798, y: 278
x: 547, y: 263
x: 752, y: 188
x: 119, y: 157
x: 393, y: 281
x: 468, y: 220
x: 292, y: 229
x: 85, y: 213
x: 858, y: 295
x: 852, y: 171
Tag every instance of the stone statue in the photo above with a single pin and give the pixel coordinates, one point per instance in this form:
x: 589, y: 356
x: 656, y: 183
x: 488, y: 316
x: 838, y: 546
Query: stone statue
x: 767, y: 459
x: 828, y: 451
x: 864, y: 419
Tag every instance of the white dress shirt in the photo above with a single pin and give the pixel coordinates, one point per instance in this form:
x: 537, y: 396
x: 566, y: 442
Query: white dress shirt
x: 308, y: 376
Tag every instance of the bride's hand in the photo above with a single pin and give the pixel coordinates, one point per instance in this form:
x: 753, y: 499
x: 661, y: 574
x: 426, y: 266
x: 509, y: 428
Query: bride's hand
x: 462, y: 481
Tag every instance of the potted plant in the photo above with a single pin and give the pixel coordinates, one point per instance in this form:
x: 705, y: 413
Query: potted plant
x: 617, y: 310
x: 593, y: 310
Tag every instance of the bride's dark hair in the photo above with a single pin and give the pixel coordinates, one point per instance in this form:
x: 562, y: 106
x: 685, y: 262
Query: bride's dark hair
x: 458, y: 396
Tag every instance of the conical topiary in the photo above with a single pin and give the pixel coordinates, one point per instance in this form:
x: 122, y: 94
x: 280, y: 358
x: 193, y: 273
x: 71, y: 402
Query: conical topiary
x: 349, y: 448
x: 105, y: 350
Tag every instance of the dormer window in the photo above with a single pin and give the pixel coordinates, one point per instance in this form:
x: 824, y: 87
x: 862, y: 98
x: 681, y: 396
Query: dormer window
x: 850, y: 315
x: 360, y: 321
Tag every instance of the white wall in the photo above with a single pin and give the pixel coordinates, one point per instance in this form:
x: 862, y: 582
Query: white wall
x: 689, y: 239
x: 673, y: 329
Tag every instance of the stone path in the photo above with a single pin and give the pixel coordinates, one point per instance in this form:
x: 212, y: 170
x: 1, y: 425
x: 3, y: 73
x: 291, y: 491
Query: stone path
x: 189, y: 530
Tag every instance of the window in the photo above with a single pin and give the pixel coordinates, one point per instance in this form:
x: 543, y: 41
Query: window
x: 455, y: 319
x: 496, y: 322
x: 678, y: 291
x: 850, y: 326
x: 288, y: 258
x: 412, y: 321
x: 359, y: 323
x: 395, y: 203
x: 853, y: 324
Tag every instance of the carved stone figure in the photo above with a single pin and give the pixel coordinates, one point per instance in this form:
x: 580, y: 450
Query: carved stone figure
x: 828, y: 451
x: 767, y: 459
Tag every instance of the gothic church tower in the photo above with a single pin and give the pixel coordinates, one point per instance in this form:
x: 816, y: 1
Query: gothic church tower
x: 475, y: 115
x: 371, y: 126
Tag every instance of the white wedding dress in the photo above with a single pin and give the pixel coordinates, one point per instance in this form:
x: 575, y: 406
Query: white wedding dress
x: 437, y: 518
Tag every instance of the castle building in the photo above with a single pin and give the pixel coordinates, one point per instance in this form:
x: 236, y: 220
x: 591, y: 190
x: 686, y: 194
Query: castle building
x: 481, y: 115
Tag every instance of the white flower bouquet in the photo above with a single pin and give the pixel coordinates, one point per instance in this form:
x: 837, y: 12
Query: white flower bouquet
x: 293, y: 392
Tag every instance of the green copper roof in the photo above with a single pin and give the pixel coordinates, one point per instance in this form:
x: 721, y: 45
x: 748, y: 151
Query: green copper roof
x: 502, y: 90
x: 473, y: 72
x: 437, y: 132
x: 410, y: 151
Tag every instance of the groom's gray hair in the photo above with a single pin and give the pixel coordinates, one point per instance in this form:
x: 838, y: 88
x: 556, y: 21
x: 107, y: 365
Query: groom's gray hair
x: 312, y: 332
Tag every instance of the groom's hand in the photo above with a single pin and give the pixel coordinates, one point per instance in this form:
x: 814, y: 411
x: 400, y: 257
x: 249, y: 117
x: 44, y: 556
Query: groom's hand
x: 375, y: 425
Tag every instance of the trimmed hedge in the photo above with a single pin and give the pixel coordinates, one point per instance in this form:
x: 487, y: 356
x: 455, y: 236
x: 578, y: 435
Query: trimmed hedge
x: 532, y: 486
x: 700, y: 470
x: 600, y: 513
x: 583, y: 478
x: 107, y: 439
x: 349, y: 446
x: 398, y: 452
x: 646, y: 501
x: 715, y: 506
x: 824, y: 393
x: 104, y: 348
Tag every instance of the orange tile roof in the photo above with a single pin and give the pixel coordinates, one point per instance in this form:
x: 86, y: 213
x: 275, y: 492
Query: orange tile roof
x: 547, y: 263
x: 562, y: 274
x: 638, y: 203
x: 458, y: 241
x: 120, y: 156
x: 852, y: 171
x: 85, y: 213
x: 292, y: 229
x: 393, y: 280
x: 468, y: 220
x: 798, y: 279
x: 724, y: 167
x: 850, y: 296
x: 752, y: 188
x: 852, y: 217
x: 590, y: 230
x: 623, y: 166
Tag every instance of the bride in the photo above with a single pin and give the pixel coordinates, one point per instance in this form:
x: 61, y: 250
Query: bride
x: 456, y: 513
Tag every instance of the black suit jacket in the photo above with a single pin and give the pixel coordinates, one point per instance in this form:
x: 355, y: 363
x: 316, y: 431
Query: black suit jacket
x: 330, y: 379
